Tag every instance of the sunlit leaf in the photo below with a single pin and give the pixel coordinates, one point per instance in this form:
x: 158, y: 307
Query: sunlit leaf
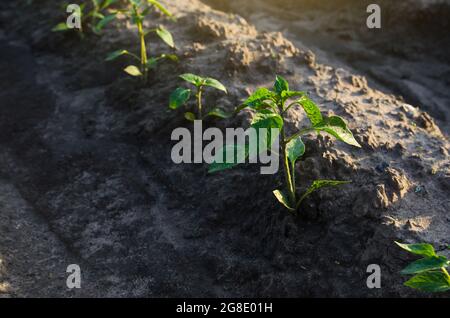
x: 160, y: 7
x: 259, y: 97
x: 189, y: 116
x: 116, y: 54
x: 165, y: 35
x: 283, y: 199
x: 312, y: 110
x: 318, y: 184
x: 193, y: 79
x: 422, y: 249
x: 434, y: 281
x: 171, y: 57
x: 337, y: 127
x: 133, y: 70
x: 425, y: 264
x: 211, y: 82
x: 281, y: 85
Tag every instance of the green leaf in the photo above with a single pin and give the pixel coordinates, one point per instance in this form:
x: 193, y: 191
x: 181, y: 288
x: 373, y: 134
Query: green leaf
x: 179, y: 97
x: 193, y: 79
x: 189, y: 116
x: 107, y: 3
x: 259, y: 97
x: 165, y: 35
x: 295, y: 149
x: 116, y: 54
x: 60, y: 27
x: 283, y: 199
x: 425, y: 264
x: 337, y: 127
x: 96, y: 15
x: 217, y: 112
x: 136, y: 3
x: 221, y: 163
x: 211, y: 82
x: 261, y: 120
x: 133, y: 70
x: 103, y: 22
x: 268, y: 120
x: 171, y: 57
x: 436, y: 281
x: 290, y: 94
x: 422, y: 249
x: 281, y: 85
x: 160, y: 7
x: 312, y: 110
x: 318, y: 184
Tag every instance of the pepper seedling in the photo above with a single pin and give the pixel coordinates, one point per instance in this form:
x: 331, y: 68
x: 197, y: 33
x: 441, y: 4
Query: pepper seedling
x: 95, y: 19
x: 138, y: 11
x: 181, y: 96
x: 271, y: 109
x: 430, y: 273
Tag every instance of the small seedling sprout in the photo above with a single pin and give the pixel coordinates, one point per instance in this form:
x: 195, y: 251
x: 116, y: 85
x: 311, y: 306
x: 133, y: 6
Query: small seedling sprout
x: 139, y: 9
x: 95, y: 19
x: 181, y: 96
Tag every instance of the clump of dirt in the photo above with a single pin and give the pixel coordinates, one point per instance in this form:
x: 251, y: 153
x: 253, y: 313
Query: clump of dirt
x: 92, y: 162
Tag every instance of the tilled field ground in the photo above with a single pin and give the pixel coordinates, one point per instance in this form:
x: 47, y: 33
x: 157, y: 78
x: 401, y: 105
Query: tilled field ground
x: 86, y: 174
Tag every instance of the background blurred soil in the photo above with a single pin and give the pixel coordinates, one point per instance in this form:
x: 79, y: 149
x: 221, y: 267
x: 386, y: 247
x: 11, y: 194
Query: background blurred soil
x: 86, y: 174
x: 409, y: 56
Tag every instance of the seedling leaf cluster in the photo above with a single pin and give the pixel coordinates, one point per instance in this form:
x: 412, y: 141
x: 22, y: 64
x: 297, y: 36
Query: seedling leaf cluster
x: 139, y: 9
x: 430, y: 272
x: 94, y: 15
x: 181, y: 96
x: 271, y: 107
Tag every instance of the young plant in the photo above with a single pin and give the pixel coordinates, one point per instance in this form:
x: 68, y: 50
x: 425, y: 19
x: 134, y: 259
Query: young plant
x: 138, y: 11
x: 271, y: 108
x: 95, y: 19
x: 181, y: 96
x: 430, y: 273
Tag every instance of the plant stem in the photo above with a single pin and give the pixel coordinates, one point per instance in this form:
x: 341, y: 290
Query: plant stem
x: 143, y: 51
x: 445, y: 272
x: 199, y: 101
x: 144, y: 67
x: 286, y: 167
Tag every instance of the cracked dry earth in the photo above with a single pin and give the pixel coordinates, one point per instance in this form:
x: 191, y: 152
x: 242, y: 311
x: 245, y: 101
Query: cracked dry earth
x: 86, y: 175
